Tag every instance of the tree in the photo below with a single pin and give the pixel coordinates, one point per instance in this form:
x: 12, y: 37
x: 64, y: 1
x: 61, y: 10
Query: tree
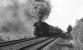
x: 69, y: 29
x: 78, y: 31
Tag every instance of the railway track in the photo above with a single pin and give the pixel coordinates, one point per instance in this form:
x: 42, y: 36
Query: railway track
x: 37, y: 46
x: 44, y: 43
x: 15, y: 41
x: 34, y: 43
x: 23, y: 44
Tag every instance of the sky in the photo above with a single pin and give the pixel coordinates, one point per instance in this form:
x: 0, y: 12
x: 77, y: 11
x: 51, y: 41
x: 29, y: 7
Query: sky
x: 65, y: 12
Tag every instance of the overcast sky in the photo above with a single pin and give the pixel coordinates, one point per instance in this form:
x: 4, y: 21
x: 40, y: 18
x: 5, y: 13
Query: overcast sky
x: 65, y: 12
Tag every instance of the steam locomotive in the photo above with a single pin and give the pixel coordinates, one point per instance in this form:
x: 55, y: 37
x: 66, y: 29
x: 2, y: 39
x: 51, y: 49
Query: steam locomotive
x: 42, y: 29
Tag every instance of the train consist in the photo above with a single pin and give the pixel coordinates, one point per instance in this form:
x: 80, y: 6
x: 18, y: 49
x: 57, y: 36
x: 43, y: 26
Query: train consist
x: 42, y: 29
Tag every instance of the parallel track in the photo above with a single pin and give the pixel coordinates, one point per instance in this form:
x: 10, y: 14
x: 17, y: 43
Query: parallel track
x: 27, y: 44
x: 16, y: 41
x: 32, y: 46
x: 23, y: 44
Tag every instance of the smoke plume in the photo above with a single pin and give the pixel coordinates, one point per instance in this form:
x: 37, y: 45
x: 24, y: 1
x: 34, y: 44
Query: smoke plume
x: 18, y: 17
